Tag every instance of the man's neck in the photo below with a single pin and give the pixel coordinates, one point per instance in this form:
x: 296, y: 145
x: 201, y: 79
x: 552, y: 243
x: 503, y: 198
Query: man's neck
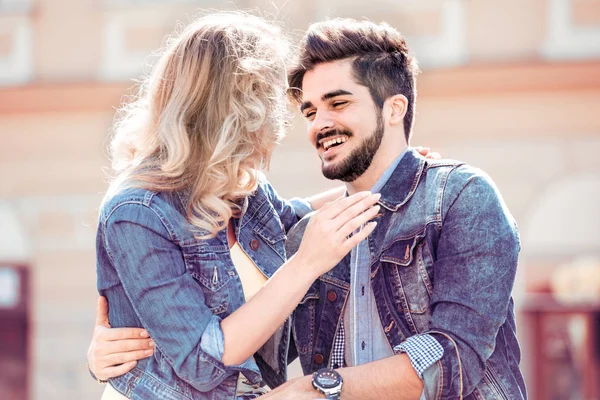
x: 381, y: 162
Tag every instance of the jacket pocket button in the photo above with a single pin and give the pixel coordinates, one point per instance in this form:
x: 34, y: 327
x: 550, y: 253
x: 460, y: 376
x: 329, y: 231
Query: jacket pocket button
x: 331, y: 296
x: 254, y: 244
x: 319, y: 359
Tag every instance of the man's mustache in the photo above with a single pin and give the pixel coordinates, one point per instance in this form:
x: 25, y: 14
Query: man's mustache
x: 331, y: 133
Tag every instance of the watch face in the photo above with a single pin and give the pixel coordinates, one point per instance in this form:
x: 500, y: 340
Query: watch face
x: 327, y: 379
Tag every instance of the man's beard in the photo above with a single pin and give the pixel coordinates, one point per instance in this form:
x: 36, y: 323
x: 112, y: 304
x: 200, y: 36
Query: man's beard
x: 359, y: 160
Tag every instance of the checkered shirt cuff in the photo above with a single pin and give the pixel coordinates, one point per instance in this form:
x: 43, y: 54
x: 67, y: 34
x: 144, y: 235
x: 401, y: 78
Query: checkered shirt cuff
x: 337, y: 354
x: 422, y: 350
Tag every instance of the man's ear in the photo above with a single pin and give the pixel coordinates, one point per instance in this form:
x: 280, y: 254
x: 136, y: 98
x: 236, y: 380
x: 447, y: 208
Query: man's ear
x: 397, y: 106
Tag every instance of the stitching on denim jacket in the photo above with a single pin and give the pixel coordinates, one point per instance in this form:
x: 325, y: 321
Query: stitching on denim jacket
x: 114, y: 207
x: 312, y: 309
x: 439, y: 198
x: 460, y: 374
x: 149, y: 203
x: 260, y: 231
x: 337, y: 329
x: 250, y: 214
x: 414, y: 238
x: 271, y: 241
x: 411, y: 192
x: 423, y: 270
x: 441, y: 385
x: 148, y: 196
x: 495, y: 382
x: 441, y: 191
x: 158, y: 382
x: 219, y: 370
x: 335, y: 282
x: 323, y: 313
x: 131, y: 385
x: 477, y: 395
x: 405, y: 306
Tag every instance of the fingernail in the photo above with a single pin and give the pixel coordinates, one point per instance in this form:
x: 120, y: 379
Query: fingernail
x: 376, y: 195
x: 148, y: 352
x: 151, y: 343
x: 144, y: 334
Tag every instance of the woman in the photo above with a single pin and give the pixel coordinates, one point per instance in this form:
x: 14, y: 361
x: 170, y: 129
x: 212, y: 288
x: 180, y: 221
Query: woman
x: 189, y: 231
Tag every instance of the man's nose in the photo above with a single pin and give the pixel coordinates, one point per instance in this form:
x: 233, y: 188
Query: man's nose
x: 322, y: 123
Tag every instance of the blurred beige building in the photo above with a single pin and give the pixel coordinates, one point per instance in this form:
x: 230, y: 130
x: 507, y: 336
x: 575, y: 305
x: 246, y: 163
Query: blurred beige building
x: 512, y: 87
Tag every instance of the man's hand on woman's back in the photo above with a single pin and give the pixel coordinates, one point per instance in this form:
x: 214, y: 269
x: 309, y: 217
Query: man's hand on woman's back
x: 115, y: 351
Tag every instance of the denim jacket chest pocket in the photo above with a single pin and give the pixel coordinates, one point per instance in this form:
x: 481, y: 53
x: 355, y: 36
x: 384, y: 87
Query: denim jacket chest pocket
x: 262, y: 238
x: 270, y: 229
x: 406, y: 264
x: 210, y: 271
x: 305, y: 316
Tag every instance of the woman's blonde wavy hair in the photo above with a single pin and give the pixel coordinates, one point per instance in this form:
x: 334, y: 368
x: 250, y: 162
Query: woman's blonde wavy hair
x: 207, y: 118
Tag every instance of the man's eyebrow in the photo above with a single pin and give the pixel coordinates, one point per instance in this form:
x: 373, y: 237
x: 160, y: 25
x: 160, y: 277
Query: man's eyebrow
x: 335, y: 93
x: 326, y: 96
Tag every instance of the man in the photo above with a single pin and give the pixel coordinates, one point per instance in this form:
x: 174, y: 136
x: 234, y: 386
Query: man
x: 422, y: 308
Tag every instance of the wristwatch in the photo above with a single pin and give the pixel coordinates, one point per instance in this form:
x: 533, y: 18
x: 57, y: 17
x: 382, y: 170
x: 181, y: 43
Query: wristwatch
x: 328, y: 382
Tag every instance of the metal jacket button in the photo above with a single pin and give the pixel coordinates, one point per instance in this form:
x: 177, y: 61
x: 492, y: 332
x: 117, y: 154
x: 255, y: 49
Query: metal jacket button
x: 254, y: 244
x: 319, y: 358
x: 331, y: 296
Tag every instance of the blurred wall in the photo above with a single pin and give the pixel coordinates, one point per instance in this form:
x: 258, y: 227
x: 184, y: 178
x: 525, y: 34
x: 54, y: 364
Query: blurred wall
x: 511, y: 88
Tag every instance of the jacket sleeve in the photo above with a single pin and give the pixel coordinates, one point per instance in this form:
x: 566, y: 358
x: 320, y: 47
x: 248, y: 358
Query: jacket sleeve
x: 166, y: 299
x: 474, y: 273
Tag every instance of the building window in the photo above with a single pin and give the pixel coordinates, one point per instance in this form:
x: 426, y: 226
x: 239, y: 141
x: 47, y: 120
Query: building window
x: 573, y: 29
x: 134, y: 29
x: 15, y: 6
x: 16, y: 49
x: 120, y: 60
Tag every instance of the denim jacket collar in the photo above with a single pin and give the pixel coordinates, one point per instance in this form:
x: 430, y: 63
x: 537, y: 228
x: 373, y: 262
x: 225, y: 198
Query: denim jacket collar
x: 403, y: 182
x: 398, y: 189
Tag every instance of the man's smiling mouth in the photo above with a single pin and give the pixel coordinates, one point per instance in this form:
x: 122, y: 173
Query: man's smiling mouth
x: 332, y: 142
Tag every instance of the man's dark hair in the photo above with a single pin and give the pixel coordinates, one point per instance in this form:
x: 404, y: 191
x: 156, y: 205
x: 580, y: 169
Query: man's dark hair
x: 381, y: 60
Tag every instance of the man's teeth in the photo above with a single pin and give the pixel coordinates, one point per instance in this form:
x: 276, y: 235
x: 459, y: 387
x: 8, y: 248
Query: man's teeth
x: 329, y: 143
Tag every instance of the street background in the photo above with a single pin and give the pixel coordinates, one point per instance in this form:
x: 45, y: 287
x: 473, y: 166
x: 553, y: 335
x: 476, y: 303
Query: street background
x: 512, y: 87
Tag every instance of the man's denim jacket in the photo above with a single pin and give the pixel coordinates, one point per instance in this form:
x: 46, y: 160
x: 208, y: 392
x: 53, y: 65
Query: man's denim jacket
x: 158, y: 275
x: 444, y: 258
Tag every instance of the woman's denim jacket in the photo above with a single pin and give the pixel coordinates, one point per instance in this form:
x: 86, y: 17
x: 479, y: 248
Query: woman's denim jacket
x: 156, y: 274
x: 443, y: 262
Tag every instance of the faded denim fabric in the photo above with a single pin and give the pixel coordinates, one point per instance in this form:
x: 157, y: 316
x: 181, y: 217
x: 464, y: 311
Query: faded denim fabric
x: 365, y: 338
x: 156, y: 274
x: 444, y: 258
